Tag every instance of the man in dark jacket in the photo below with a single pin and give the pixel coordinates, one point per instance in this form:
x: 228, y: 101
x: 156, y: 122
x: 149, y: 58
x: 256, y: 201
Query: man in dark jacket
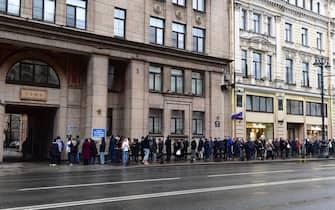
x: 93, y: 151
x: 200, y: 148
x: 102, y: 151
x: 168, y: 149
x: 53, y: 153
x: 193, y: 148
x: 160, y: 150
x: 185, y: 148
x: 111, y: 148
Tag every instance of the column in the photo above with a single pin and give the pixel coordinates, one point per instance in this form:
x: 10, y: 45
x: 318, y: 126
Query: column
x: 96, y: 93
x: 135, y: 109
x: 237, y: 63
x: 2, y: 124
x: 278, y: 74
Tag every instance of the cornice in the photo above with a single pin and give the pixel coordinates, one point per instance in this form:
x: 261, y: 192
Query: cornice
x: 98, y: 42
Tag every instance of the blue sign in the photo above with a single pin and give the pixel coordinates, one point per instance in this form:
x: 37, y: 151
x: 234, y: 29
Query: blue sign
x: 98, y: 132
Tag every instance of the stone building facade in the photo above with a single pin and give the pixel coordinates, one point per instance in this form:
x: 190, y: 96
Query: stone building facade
x: 277, y: 86
x: 133, y: 67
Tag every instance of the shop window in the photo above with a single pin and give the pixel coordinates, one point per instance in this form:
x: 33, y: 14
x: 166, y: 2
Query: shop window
x: 259, y: 104
x: 34, y: 73
x: 155, y: 121
x: 294, y: 107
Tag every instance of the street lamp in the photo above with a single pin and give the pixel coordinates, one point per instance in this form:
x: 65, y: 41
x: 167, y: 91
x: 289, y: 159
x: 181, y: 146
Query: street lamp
x: 322, y: 63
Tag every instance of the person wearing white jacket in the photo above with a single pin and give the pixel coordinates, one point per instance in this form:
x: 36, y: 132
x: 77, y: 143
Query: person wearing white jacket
x: 125, y: 150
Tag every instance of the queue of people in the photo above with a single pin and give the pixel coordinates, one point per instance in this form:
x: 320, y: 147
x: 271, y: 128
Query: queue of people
x: 148, y: 149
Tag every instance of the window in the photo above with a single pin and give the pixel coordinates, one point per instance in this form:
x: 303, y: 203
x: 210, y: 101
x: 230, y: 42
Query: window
x: 156, y: 31
x: 296, y: 2
x: 311, y: 5
x: 288, y: 32
x: 257, y: 65
x: 243, y: 23
x: 119, y: 22
x: 318, y: 7
x: 199, y: 5
x: 256, y: 23
x: 179, y: 2
x: 198, y: 123
x: 319, y: 76
x: 44, y: 10
x: 177, y: 81
x: 319, y: 40
x: 269, y: 67
x: 244, y: 63
x: 10, y: 7
x: 155, y: 79
x: 177, y: 122
x: 280, y: 104
x: 239, y: 100
x: 303, y: 4
x: 305, y: 75
x: 197, y: 84
x: 111, y: 77
x: 259, y: 104
x: 198, y: 36
x: 314, y: 109
x: 289, y: 71
x: 268, y: 26
x: 294, y: 107
x: 34, y: 73
x: 304, y: 36
x: 76, y: 13
x: 155, y: 121
x: 178, y: 35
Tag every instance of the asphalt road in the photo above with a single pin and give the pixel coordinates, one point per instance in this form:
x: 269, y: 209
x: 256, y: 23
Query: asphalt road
x: 288, y: 185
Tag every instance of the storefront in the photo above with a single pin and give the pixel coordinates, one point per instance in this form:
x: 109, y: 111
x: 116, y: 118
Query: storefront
x: 314, y: 132
x: 259, y: 131
x: 295, y: 130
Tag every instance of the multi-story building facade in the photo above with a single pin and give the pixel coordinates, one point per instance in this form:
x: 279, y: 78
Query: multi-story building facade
x: 133, y: 67
x: 277, y: 87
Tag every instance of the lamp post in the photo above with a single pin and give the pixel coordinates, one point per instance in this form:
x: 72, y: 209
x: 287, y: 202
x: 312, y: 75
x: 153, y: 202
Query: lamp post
x: 322, y: 63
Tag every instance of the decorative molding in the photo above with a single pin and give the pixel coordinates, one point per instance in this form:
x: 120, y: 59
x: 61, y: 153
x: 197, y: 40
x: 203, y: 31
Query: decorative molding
x: 198, y: 20
x: 179, y: 14
x: 158, y: 9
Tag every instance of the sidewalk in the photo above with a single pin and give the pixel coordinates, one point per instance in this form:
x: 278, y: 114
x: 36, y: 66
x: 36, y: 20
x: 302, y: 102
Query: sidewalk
x: 7, y: 169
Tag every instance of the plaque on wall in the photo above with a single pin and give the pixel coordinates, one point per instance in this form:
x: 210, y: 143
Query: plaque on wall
x: 33, y: 94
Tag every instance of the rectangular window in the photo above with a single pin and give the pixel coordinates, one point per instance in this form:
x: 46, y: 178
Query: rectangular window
x: 256, y: 19
x: 239, y: 100
x: 314, y: 109
x: 119, y: 22
x: 198, y: 37
x: 198, y: 123
x: 280, y: 104
x: 10, y: 7
x: 111, y: 77
x: 318, y: 7
x: 177, y: 81
x: 44, y: 10
x: 199, y: 5
x: 197, y: 84
x: 289, y: 71
x: 244, y: 63
x: 109, y: 121
x: 319, y: 40
x: 155, y: 121
x: 304, y: 36
x: 319, y: 78
x: 311, y: 5
x: 178, y: 35
x: 76, y: 13
x: 288, y: 32
x: 177, y: 122
x: 179, y: 2
x: 269, y: 67
x: 305, y: 75
x: 156, y: 31
x: 257, y: 65
x: 243, y: 21
x: 294, y: 107
x: 259, y: 104
x: 268, y: 26
x: 155, y: 79
x: 303, y: 4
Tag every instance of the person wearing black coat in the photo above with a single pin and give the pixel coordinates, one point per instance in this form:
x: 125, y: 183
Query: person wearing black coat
x: 53, y: 153
x: 200, y: 148
x: 160, y: 150
x: 93, y: 151
x: 102, y: 151
x: 185, y: 148
x: 168, y: 149
x: 193, y: 148
x: 111, y: 148
x: 135, y: 149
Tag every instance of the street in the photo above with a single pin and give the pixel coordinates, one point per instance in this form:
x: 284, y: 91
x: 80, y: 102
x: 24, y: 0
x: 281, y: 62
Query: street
x: 270, y: 185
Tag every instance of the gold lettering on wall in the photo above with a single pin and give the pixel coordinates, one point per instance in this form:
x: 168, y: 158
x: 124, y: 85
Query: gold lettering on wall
x: 33, y: 95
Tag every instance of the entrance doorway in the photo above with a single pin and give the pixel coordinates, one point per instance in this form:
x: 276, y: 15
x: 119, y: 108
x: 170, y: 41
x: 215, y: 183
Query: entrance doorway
x: 28, y: 132
x: 295, y: 130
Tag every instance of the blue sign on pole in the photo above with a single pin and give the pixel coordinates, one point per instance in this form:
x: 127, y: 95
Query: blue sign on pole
x: 98, y: 132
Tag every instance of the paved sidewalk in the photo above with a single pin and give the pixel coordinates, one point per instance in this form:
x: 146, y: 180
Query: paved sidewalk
x: 7, y: 169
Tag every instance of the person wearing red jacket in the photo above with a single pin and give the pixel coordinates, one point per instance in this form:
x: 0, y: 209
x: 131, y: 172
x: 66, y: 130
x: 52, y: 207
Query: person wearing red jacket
x: 86, y: 151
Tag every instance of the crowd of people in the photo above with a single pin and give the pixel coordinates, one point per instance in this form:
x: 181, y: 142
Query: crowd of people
x: 151, y: 149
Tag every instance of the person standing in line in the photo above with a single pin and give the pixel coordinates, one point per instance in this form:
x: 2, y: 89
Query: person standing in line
x: 185, y: 148
x: 200, y: 148
x: 102, y: 151
x: 93, y: 151
x: 68, y: 149
x: 60, y: 148
x: 135, y: 149
x: 168, y: 149
x: 86, y: 151
x: 111, y: 149
x: 160, y: 150
x: 154, y: 150
x: 53, y: 153
x: 125, y: 150
x: 74, y: 152
x: 146, y: 149
x: 193, y: 148
x: 78, y: 153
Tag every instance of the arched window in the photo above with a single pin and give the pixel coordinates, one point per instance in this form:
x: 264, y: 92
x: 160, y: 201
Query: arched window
x: 34, y: 73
